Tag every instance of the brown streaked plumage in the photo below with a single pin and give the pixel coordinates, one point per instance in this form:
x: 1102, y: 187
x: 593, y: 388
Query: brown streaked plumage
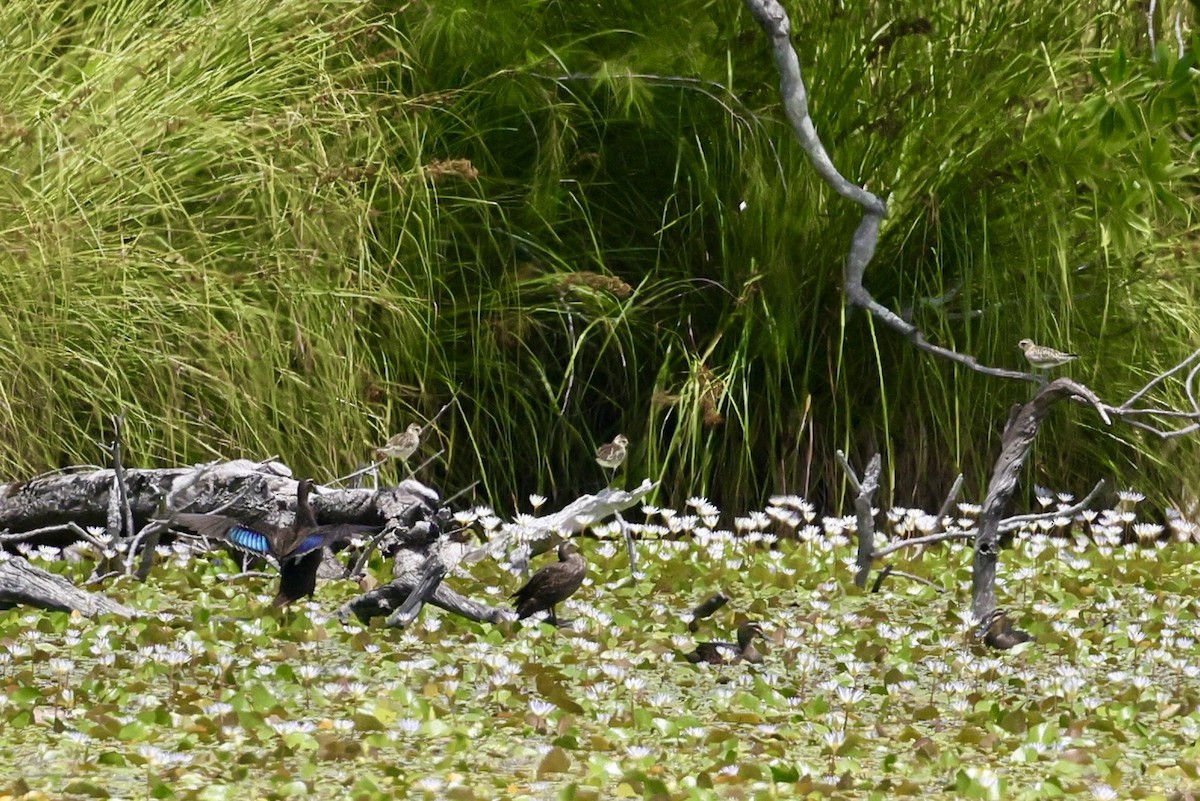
x: 402, y: 445
x: 728, y: 653
x: 611, y: 454
x: 298, y: 548
x: 1043, y: 357
x: 552, y: 584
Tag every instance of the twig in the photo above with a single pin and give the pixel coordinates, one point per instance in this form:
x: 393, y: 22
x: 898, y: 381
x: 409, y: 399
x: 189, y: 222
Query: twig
x: 147, y: 541
x: 359, y: 472
x: 855, y: 487
x: 951, y: 498
x: 1150, y: 12
x: 629, y: 547
x: 461, y: 493
x: 1008, y: 524
x: 917, y: 579
x: 1011, y: 523
x: 360, y: 561
x: 932, y: 538
x: 72, y: 527
x: 375, y: 465
x: 120, y: 515
x: 944, y: 511
x: 245, y: 574
x: 883, y: 574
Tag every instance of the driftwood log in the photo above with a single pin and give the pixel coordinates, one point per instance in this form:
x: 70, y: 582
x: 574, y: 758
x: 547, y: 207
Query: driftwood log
x: 418, y: 573
x: 22, y: 583
x: 419, y: 532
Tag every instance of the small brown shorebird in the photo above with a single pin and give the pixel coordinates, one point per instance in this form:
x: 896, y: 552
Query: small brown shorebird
x: 727, y: 653
x: 1042, y: 357
x: 611, y: 454
x: 402, y: 445
x: 552, y: 584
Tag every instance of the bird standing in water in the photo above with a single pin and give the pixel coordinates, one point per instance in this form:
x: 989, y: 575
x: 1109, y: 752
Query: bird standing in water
x: 402, y: 445
x: 298, y: 549
x: 1042, y: 357
x: 998, y: 632
x: 728, y: 653
x: 611, y: 454
x: 552, y: 584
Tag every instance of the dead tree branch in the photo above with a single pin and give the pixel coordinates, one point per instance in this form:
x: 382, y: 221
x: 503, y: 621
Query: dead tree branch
x: 1015, y: 445
x: 1017, y: 521
x: 864, y: 492
x: 1018, y: 438
x: 1006, y: 525
x: 774, y: 21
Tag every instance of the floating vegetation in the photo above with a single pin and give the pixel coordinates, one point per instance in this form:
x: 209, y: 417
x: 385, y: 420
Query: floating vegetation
x: 857, y: 693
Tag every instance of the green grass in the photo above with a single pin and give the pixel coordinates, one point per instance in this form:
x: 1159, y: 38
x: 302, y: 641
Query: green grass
x: 860, y: 695
x: 292, y: 228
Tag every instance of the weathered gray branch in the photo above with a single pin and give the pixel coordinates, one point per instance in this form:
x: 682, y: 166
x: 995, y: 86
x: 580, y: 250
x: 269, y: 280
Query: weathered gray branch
x: 1006, y: 525
x: 1017, y: 521
x: 1015, y: 445
x: 418, y: 581
x: 864, y: 492
x: 951, y: 499
x: 926, y: 540
x: 22, y: 583
x: 771, y: 15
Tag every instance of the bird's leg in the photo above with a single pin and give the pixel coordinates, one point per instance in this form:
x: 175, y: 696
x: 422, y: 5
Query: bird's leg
x: 553, y: 619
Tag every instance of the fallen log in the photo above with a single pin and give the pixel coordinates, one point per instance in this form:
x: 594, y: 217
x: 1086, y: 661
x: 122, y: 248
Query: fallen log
x: 22, y: 583
x: 419, y: 533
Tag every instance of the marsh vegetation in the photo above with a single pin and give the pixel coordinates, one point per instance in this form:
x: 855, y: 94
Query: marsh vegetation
x: 295, y: 227
x: 213, y: 695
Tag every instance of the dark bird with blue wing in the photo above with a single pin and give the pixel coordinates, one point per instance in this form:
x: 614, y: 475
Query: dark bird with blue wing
x: 298, y: 549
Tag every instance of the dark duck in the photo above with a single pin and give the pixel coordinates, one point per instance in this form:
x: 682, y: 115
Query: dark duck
x: 552, y: 584
x: 728, y: 653
x: 998, y: 632
x: 297, y: 549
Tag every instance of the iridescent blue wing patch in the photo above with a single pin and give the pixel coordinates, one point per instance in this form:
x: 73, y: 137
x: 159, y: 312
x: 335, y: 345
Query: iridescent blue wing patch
x: 248, y: 538
x: 309, y: 544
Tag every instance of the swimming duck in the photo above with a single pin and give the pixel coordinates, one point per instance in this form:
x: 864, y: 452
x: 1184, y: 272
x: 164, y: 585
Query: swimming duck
x: 728, y: 653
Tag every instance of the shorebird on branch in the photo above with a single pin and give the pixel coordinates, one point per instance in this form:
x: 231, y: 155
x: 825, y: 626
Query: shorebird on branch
x: 1043, y: 357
